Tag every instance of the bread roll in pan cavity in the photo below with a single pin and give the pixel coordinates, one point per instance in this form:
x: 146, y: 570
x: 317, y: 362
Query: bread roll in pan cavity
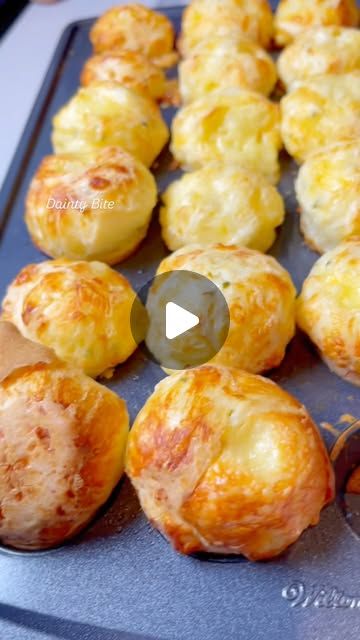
x: 120, y: 534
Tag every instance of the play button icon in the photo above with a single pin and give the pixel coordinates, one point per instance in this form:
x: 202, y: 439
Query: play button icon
x: 180, y: 320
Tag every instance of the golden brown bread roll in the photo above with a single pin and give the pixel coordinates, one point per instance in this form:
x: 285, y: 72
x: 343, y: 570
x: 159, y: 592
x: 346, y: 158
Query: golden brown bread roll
x: 219, y: 63
x: 318, y: 51
x: 203, y: 19
x: 232, y: 126
x: 328, y: 309
x: 260, y: 296
x: 227, y: 462
x: 94, y: 206
x: 79, y: 309
x: 328, y: 191
x: 130, y: 69
x: 134, y: 27
x: 320, y: 111
x: 221, y: 203
x: 106, y: 114
x: 292, y: 17
x: 63, y: 440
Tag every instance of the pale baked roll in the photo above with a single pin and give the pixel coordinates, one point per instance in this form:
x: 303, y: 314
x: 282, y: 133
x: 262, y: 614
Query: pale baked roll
x: 221, y: 203
x: 130, y: 69
x: 328, y: 191
x: 94, y: 206
x: 227, y: 462
x: 63, y: 439
x: 232, y: 126
x: 319, y: 51
x: 219, y: 63
x: 81, y: 310
x: 328, y: 309
x: 261, y: 300
x: 320, y: 111
x: 106, y: 114
x: 134, y: 27
x: 292, y: 17
x: 203, y: 19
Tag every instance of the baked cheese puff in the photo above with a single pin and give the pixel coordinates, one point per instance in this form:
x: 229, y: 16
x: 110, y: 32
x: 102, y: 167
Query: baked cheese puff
x: 221, y: 203
x: 328, y: 191
x: 93, y: 206
x: 320, y: 111
x: 233, y: 126
x: 106, y: 114
x: 203, y: 19
x: 63, y: 439
x: 227, y: 462
x: 328, y: 309
x: 293, y: 17
x: 81, y: 310
x: 319, y: 51
x: 220, y: 63
x: 260, y: 296
x: 133, y: 27
x: 130, y: 69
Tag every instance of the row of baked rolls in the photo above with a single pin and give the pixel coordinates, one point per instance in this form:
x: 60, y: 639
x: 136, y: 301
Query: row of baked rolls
x: 216, y: 465
x: 41, y: 307
x: 82, y: 310
x: 321, y: 72
x: 94, y: 199
x: 255, y: 19
x: 208, y: 456
x: 227, y: 135
x: 63, y: 436
x: 321, y: 129
x: 100, y: 175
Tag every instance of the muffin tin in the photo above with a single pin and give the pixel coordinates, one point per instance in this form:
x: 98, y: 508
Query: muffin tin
x: 121, y: 579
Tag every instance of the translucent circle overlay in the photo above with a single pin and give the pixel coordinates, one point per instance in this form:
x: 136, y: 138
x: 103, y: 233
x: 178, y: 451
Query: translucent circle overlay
x: 197, y: 295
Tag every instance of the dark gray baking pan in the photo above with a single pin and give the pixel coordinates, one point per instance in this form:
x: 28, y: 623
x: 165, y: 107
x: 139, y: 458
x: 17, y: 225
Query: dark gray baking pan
x: 120, y: 579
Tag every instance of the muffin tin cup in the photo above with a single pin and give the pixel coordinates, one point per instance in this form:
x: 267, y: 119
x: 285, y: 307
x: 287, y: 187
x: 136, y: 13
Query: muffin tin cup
x: 118, y: 565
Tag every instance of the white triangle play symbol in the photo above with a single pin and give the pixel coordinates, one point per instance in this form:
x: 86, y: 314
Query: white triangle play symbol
x: 178, y: 320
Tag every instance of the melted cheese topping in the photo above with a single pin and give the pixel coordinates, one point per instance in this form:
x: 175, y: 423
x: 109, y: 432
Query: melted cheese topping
x: 292, y: 17
x: 320, y: 111
x: 92, y: 206
x: 232, y: 18
x: 107, y: 114
x: 130, y: 69
x: 319, y: 51
x: 62, y: 452
x: 232, y: 126
x: 261, y: 300
x: 329, y: 309
x: 221, y: 204
x: 134, y: 27
x: 224, y: 461
x: 328, y: 190
x: 220, y: 63
x: 79, y: 309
